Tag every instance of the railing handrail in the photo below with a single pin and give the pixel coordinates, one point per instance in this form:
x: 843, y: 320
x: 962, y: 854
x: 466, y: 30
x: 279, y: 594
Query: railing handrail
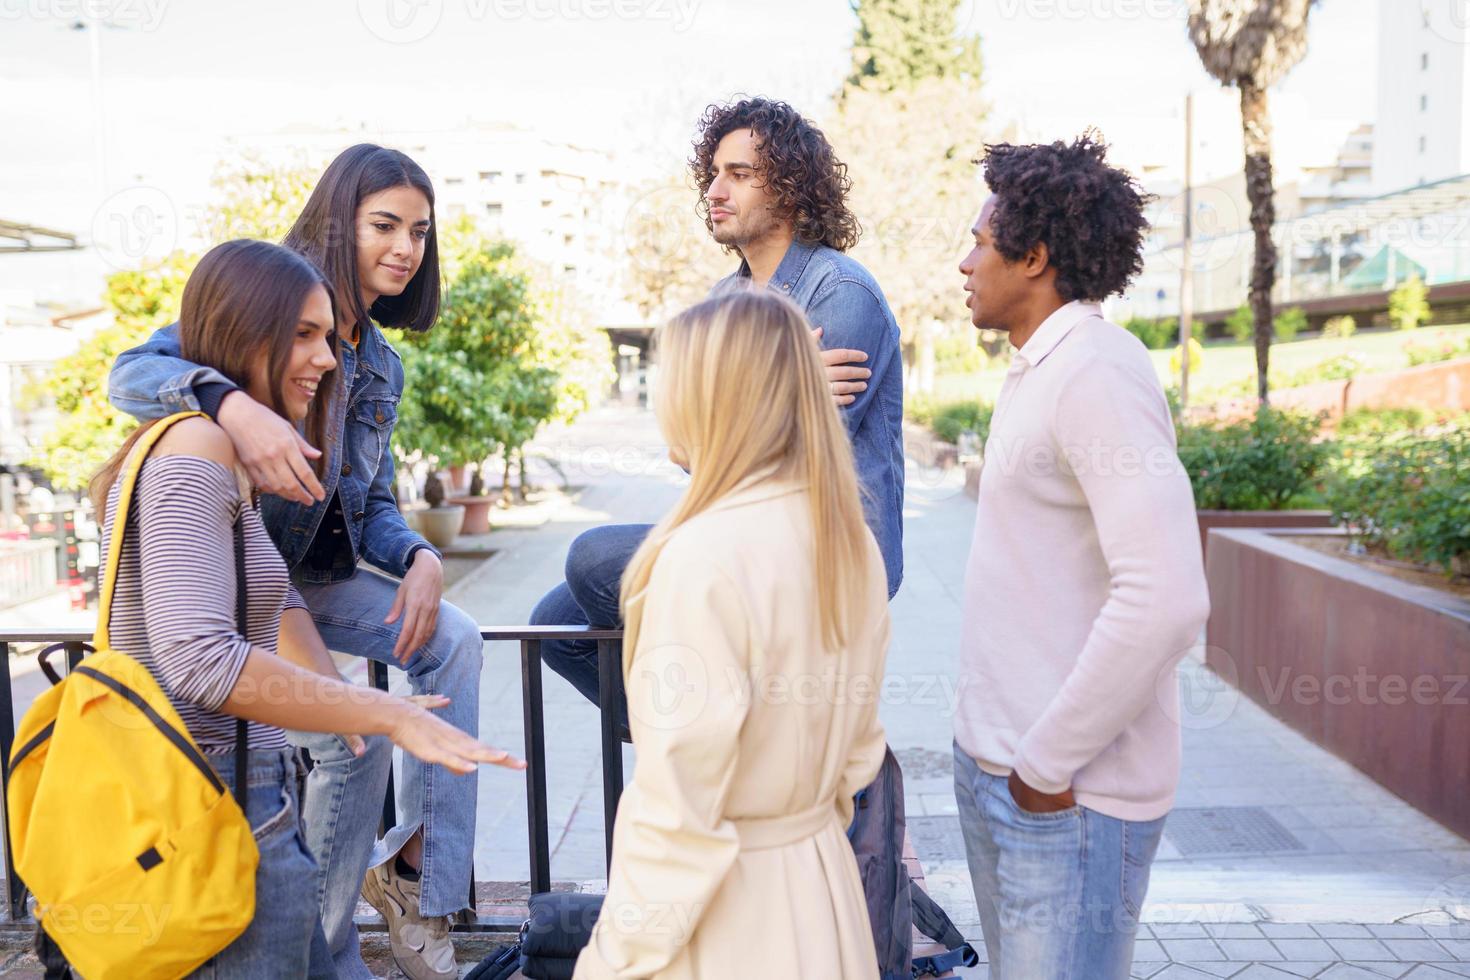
x: 609, y: 647
x: 488, y: 633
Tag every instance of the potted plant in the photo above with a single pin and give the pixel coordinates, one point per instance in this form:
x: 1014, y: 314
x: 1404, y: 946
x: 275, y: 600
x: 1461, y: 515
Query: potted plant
x: 440, y: 524
x: 476, y: 505
x: 1257, y: 472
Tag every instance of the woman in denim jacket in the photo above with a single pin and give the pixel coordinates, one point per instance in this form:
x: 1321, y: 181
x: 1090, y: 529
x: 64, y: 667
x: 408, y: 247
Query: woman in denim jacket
x: 369, y: 225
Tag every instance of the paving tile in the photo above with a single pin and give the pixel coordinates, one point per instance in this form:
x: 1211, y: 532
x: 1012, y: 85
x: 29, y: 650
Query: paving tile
x: 1179, y: 930
x: 1190, y: 950
x: 1287, y: 930
x: 1258, y: 971
x: 1342, y: 930
x: 1233, y: 930
x: 1361, y: 949
x: 1302, y: 969
x: 1396, y: 930
x: 1249, y: 950
x: 1306, y: 949
x: 1349, y: 971
x: 1456, y: 931
x: 1178, y: 971
x: 1417, y: 950
x: 1430, y: 973
x: 1458, y: 948
x: 1149, y: 951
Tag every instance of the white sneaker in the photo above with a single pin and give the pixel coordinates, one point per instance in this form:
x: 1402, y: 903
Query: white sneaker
x: 421, y: 946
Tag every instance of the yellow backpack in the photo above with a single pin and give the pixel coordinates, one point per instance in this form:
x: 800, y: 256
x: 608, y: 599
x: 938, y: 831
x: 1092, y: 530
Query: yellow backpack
x: 141, y: 862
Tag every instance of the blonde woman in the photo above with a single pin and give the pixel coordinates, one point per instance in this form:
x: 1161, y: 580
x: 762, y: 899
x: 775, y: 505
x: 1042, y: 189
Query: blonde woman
x: 757, y: 620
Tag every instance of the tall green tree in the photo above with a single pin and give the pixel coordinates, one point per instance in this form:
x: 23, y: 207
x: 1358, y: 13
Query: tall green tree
x: 1251, y: 45
x: 509, y: 353
x: 252, y: 200
x: 902, y: 43
x: 910, y: 121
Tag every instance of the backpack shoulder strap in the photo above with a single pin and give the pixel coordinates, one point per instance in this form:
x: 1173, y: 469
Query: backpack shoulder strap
x: 935, y: 923
x: 130, y: 472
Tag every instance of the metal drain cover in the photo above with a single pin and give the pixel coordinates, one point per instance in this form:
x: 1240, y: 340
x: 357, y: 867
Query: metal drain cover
x: 1227, y: 830
x: 937, y: 838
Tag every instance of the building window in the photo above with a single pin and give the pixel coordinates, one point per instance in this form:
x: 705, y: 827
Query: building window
x: 495, y: 209
x: 520, y: 178
x: 454, y: 180
x: 1424, y: 103
x: 1423, y: 143
x: 1424, y: 61
x: 491, y: 176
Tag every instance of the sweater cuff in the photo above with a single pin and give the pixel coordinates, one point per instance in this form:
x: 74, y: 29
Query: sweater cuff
x: 210, y: 395
x: 421, y: 546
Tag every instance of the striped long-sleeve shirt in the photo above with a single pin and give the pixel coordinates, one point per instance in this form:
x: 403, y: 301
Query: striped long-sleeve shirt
x: 174, y: 607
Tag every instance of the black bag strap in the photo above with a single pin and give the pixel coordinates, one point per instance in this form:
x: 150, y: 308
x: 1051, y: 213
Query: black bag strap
x: 935, y: 923
x: 242, y: 622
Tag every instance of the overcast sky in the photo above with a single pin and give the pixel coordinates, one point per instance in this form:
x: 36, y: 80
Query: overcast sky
x: 184, y: 81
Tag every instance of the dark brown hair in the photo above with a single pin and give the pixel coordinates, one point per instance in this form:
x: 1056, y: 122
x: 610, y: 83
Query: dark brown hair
x: 326, y: 233
x: 244, y: 297
x: 796, y: 162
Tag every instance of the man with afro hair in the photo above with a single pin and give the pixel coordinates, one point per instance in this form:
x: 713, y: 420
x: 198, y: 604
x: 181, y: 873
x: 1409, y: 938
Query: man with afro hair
x: 1085, y: 585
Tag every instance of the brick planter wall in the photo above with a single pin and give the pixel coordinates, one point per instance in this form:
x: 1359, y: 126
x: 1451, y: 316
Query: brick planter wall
x: 1374, y: 669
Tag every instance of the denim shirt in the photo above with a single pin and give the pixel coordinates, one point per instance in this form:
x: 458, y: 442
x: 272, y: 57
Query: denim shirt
x: 842, y: 298
x: 152, y: 381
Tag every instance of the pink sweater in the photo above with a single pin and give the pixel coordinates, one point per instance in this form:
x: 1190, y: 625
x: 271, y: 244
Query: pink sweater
x: 1085, y: 585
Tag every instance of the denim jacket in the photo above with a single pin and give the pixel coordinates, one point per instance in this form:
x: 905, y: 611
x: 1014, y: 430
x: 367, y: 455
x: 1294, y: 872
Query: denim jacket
x: 842, y: 298
x: 153, y: 381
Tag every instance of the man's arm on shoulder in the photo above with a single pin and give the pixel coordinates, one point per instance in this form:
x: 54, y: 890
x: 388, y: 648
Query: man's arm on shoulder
x: 852, y: 317
x: 153, y: 380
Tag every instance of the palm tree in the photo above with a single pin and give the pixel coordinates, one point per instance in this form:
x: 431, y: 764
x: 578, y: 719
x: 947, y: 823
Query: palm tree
x: 1251, y: 45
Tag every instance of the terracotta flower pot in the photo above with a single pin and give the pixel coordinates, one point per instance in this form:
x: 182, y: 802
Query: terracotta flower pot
x: 476, y: 513
x: 441, y: 525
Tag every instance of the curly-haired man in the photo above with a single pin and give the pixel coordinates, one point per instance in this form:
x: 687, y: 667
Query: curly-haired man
x: 772, y: 190
x: 1085, y: 585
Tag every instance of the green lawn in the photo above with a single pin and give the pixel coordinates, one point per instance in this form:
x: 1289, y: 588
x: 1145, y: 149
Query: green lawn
x: 1227, y: 362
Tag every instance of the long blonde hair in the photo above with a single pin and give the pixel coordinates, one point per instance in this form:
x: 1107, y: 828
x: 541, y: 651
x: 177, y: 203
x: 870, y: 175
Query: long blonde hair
x: 742, y: 393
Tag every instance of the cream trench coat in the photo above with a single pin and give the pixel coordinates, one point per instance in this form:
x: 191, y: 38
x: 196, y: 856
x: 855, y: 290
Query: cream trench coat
x: 730, y: 857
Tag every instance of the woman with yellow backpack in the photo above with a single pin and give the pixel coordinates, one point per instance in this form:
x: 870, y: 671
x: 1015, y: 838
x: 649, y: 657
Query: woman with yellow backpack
x: 198, y: 596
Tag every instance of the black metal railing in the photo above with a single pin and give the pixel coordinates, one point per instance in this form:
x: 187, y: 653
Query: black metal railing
x: 609, y: 650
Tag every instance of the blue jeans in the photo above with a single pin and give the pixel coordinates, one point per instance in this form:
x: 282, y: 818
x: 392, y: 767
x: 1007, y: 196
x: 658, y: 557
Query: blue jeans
x: 344, y: 796
x: 588, y: 597
x: 285, y: 938
x: 1059, y: 894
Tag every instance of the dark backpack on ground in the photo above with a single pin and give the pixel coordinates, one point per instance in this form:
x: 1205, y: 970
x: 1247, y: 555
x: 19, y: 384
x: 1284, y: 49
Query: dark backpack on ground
x: 561, y: 923
x: 895, y: 903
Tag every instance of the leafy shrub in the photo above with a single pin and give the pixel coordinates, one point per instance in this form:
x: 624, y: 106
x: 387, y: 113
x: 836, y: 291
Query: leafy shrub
x: 1339, y: 368
x: 1289, y: 323
x: 1375, y: 422
x: 1340, y: 327
x: 1408, y: 496
x: 1444, y: 348
x: 960, y: 353
x: 958, y: 417
x: 1408, y: 306
x: 1162, y: 334
x: 947, y: 420
x: 1196, y: 358
x: 1241, y: 325
x: 1269, y: 462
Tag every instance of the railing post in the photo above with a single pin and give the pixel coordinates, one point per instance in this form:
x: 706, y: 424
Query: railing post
x: 532, y: 715
x: 15, y: 889
x: 378, y: 677
x: 609, y: 702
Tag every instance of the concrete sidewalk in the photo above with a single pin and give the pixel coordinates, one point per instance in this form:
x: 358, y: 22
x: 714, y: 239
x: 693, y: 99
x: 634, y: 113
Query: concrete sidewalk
x: 1279, y: 861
